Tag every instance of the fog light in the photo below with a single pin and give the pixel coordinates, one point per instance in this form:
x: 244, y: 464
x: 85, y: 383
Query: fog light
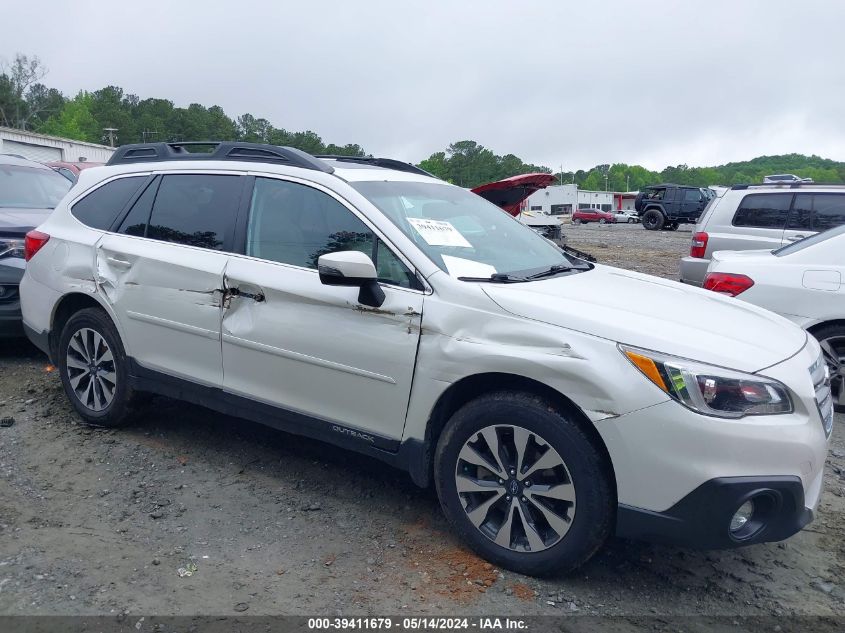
x: 742, y: 516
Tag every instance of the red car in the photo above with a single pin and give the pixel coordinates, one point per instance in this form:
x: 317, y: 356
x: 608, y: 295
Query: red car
x: 71, y: 170
x: 592, y: 215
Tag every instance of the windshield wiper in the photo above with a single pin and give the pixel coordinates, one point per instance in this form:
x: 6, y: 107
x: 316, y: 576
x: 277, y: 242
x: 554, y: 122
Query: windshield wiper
x: 495, y: 278
x: 555, y: 269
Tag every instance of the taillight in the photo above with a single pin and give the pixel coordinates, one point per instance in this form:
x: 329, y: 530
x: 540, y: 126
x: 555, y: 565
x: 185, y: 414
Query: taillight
x: 698, y: 247
x: 727, y: 283
x: 33, y: 243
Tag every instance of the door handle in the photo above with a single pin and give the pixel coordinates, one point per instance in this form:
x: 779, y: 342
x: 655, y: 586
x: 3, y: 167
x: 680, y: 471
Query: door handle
x: 795, y: 238
x: 258, y: 297
x: 119, y: 263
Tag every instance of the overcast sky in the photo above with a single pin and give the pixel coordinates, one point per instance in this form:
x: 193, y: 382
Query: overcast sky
x: 571, y: 83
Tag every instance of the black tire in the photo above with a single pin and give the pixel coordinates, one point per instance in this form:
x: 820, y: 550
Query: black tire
x: 832, y: 340
x: 602, y: 221
x: 653, y: 220
x: 576, y: 221
x: 594, y: 501
x: 124, y: 401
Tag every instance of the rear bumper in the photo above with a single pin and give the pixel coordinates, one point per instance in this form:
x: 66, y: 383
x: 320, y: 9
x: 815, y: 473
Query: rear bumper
x: 701, y: 520
x: 693, y: 270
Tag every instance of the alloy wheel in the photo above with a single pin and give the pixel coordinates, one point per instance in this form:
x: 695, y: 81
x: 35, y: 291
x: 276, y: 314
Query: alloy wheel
x: 833, y: 349
x: 515, y: 488
x: 90, y: 368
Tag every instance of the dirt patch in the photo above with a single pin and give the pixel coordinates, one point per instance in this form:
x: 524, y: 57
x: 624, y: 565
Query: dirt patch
x: 522, y: 591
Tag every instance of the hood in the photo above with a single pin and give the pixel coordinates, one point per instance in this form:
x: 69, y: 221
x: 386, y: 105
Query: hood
x: 509, y: 193
x: 19, y: 221
x: 656, y: 314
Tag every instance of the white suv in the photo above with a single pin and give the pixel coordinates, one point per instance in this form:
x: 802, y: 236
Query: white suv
x: 750, y: 217
x: 365, y: 303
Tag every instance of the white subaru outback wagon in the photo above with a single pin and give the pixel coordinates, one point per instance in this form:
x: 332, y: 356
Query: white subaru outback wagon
x: 363, y: 302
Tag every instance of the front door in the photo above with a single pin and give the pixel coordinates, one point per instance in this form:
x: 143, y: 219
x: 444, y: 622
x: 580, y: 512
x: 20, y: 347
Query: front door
x: 292, y: 342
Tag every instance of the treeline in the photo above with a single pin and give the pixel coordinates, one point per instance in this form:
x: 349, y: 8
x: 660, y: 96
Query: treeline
x: 28, y: 104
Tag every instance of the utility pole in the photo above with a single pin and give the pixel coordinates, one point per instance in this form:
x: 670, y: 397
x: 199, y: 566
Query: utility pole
x: 605, y: 181
x: 147, y: 133
x: 110, y: 131
x: 561, y: 174
x: 628, y: 183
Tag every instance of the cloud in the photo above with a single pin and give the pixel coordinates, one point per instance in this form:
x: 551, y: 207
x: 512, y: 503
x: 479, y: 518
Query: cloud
x: 655, y: 83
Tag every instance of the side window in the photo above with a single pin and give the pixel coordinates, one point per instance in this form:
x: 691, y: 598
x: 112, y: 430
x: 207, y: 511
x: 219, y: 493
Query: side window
x: 668, y: 195
x: 294, y: 224
x: 100, y: 208
x: 135, y: 222
x: 763, y: 210
x: 828, y: 211
x: 801, y: 216
x: 692, y: 195
x: 195, y: 210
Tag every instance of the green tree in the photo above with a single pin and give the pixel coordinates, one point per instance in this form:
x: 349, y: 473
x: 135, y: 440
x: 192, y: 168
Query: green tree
x: 75, y: 120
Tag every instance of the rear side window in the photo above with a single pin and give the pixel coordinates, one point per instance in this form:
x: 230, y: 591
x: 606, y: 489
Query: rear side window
x: 135, y: 222
x: 763, y: 210
x: 828, y: 211
x: 100, y: 208
x: 692, y: 195
x: 195, y: 210
x: 669, y: 195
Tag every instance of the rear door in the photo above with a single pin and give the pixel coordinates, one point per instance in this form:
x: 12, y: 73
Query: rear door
x: 162, y: 272
x: 690, y: 203
x: 292, y: 342
x: 812, y: 213
x: 758, y: 223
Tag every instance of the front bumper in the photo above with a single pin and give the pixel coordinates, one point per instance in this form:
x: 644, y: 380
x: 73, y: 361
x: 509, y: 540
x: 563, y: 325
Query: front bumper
x: 693, y: 270
x: 11, y: 272
x: 701, y: 520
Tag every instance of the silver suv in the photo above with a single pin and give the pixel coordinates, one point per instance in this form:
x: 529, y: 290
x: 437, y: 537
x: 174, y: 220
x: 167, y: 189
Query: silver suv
x: 747, y: 217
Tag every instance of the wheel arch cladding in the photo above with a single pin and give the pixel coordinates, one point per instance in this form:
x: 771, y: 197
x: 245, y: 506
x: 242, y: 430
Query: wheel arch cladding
x: 824, y: 324
x: 471, y: 387
x: 66, y: 307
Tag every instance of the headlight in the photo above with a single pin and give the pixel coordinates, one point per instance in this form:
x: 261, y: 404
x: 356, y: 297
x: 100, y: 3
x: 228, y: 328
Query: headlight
x: 711, y: 390
x: 11, y: 247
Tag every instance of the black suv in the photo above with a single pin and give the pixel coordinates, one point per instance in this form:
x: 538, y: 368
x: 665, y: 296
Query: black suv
x: 667, y: 206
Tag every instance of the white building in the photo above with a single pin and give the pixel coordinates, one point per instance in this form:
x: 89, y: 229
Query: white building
x: 563, y: 199
x: 43, y: 148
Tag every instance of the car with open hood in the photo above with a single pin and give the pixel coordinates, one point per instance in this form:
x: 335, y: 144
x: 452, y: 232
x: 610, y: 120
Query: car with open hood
x: 511, y: 193
x: 551, y: 402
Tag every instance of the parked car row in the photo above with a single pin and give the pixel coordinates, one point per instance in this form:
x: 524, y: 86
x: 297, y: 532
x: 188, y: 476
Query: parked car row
x: 550, y: 401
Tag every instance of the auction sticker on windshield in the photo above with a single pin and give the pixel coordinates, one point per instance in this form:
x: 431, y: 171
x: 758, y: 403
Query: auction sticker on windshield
x: 438, y: 232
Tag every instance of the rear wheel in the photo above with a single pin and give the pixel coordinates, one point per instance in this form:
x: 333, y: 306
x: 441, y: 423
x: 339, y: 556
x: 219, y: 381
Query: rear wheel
x: 576, y: 221
x: 602, y: 221
x: 832, y: 340
x: 523, y: 484
x: 631, y: 221
x: 93, y: 369
x: 653, y: 220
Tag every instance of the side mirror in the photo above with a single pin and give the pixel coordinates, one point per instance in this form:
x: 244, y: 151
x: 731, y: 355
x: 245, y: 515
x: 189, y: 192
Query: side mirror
x: 352, y: 268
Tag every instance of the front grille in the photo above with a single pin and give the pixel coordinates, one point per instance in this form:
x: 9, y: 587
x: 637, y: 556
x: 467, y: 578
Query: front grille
x: 820, y: 375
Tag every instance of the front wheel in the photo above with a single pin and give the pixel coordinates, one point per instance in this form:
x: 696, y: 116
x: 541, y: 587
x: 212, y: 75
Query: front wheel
x: 832, y: 340
x: 93, y: 369
x: 576, y: 221
x: 602, y: 221
x: 523, y: 484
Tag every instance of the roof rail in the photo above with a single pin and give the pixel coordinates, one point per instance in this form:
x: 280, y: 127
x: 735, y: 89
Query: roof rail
x: 217, y: 150
x: 387, y: 163
x: 789, y: 185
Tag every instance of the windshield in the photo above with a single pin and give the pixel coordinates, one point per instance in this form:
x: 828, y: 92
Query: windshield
x: 31, y: 188
x: 800, y: 245
x: 462, y: 233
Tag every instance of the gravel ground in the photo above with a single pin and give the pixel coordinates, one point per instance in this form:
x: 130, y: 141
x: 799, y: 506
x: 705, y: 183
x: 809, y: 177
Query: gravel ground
x: 96, y: 521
